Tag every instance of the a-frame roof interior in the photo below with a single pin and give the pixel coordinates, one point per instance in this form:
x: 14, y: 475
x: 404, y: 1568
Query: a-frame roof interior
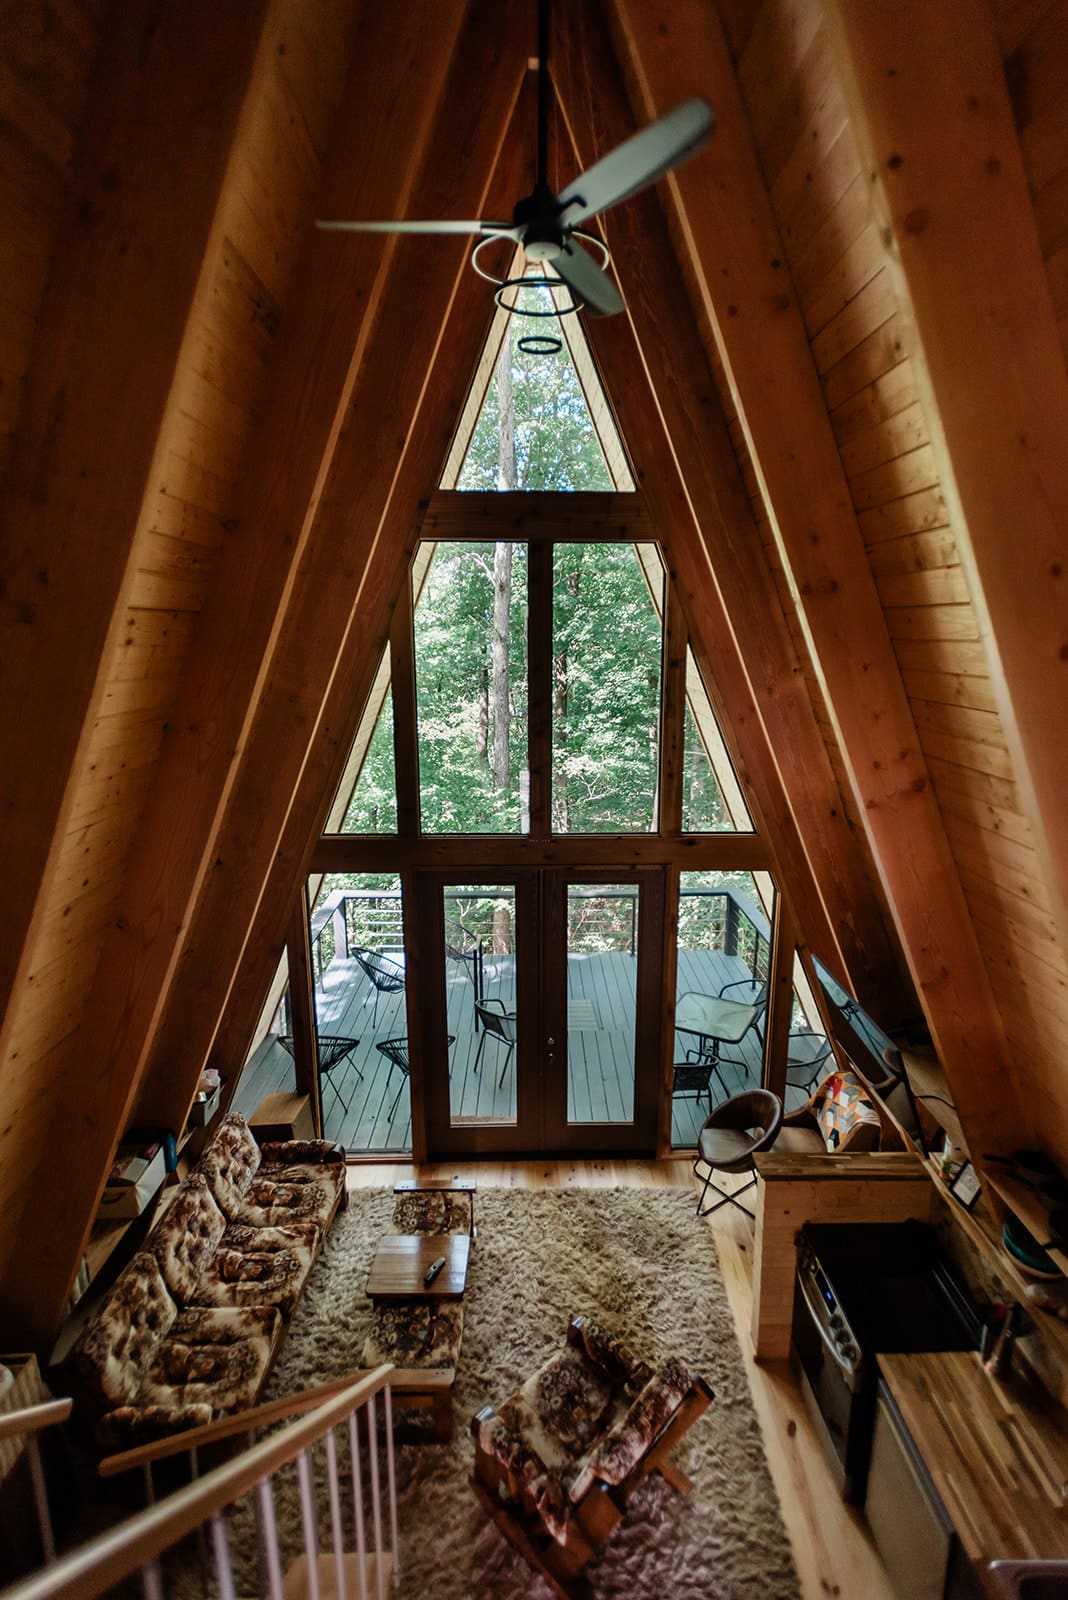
x: 841, y: 382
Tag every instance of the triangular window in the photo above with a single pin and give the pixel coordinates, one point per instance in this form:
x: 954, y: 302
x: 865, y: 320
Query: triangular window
x: 712, y: 800
x: 559, y: 433
x: 366, y: 799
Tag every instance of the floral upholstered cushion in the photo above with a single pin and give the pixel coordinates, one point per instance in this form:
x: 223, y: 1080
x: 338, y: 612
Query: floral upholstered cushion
x: 280, y: 1195
x: 433, y: 1211
x: 619, y: 1450
x: 215, y: 1356
x: 561, y: 1411
x: 186, y: 1238
x: 302, y: 1152
x: 415, y: 1333
x: 259, y: 1267
x: 230, y: 1163
x: 122, y: 1340
x: 129, y: 1426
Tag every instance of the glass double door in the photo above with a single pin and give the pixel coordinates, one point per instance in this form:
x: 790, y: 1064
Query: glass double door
x: 538, y: 1010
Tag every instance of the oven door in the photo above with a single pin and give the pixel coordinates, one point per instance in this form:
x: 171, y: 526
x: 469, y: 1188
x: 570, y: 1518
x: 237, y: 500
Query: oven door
x: 837, y: 1391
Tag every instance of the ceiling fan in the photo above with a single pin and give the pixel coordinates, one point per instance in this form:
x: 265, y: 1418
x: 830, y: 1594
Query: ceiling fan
x: 547, y: 225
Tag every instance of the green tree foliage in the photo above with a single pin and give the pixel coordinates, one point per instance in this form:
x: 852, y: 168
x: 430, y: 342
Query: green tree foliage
x: 555, y: 443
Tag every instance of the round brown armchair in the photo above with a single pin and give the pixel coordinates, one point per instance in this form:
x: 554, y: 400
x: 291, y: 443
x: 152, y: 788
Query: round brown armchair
x: 729, y: 1140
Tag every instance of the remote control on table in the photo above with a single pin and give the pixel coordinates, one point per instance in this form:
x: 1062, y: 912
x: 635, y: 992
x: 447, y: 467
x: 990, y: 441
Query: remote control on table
x: 433, y: 1270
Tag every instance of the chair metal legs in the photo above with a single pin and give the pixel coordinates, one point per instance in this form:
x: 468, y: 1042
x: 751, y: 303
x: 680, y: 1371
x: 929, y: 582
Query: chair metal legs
x: 481, y: 1046
x: 725, y: 1199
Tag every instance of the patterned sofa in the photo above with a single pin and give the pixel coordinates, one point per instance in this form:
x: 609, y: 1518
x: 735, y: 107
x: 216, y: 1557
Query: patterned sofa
x: 191, y: 1326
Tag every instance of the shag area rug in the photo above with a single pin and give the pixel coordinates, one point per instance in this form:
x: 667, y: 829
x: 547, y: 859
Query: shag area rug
x: 636, y: 1260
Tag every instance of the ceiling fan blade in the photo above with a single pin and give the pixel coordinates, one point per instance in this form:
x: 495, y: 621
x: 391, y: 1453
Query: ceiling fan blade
x: 638, y: 161
x: 419, y: 227
x: 592, y: 286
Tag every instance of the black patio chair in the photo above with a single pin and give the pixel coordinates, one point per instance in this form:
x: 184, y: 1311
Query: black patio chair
x: 386, y: 976
x: 499, y: 1025
x: 332, y: 1049
x: 396, y: 1053
x: 807, y: 1055
x: 693, y: 1077
x: 471, y: 962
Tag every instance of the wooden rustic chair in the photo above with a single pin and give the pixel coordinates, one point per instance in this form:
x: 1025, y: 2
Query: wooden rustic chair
x: 556, y: 1464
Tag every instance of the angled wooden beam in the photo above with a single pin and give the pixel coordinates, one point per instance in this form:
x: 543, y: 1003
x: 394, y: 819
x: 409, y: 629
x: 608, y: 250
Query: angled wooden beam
x: 931, y: 112
x: 122, y: 282
x: 733, y: 251
x: 660, y: 382
x: 323, y: 382
x: 410, y: 390
x: 226, y: 1024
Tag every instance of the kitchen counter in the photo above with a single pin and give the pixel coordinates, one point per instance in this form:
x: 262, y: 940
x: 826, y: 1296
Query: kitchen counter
x: 996, y: 1450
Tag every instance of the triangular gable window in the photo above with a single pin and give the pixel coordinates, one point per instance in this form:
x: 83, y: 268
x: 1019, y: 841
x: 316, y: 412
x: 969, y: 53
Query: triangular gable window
x: 712, y: 799
x: 562, y: 430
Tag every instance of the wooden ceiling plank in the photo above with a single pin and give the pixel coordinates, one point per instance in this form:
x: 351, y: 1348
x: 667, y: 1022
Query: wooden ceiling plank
x: 333, y: 297
x: 969, y: 268
x: 661, y: 385
x: 127, y: 258
x: 736, y: 255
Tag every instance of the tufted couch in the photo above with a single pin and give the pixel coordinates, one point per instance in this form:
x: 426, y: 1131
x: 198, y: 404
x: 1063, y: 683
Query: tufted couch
x: 191, y: 1326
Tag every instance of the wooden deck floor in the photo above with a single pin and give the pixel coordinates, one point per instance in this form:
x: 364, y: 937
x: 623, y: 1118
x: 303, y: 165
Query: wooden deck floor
x: 601, y: 1019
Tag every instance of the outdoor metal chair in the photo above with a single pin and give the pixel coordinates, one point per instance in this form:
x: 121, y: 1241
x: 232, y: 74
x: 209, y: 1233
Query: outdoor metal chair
x: 471, y: 962
x: 730, y: 1139
x: 499, y: 1025
x: 693, y: 1077
x: 396, y: 1053
x: 386, y: 975
x: 332, y: 1049
x: 806, y: 1057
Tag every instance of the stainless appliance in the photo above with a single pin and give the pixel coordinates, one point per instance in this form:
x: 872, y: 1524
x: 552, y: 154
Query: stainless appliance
x: 862, y: 1288
x: 923, y: 1557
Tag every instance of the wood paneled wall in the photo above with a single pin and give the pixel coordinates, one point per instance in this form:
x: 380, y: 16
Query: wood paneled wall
x: 45, y: 63
x: 821, y: 194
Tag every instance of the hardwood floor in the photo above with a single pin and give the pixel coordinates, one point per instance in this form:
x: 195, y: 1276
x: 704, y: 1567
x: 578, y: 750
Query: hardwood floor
x: 833, y: 1551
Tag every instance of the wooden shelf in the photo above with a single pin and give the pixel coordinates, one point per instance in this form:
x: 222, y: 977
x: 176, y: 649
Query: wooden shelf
x: 929, y: 1087
x: 1032, y: 1211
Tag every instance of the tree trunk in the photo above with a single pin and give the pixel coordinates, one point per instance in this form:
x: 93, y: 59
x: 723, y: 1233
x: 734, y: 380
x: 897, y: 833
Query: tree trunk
x: 482, y: 737
x: 561, y: 807
x: 502, y: 577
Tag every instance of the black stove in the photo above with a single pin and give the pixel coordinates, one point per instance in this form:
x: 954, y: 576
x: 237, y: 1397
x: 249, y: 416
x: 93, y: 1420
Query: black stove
x: 863, y: 1288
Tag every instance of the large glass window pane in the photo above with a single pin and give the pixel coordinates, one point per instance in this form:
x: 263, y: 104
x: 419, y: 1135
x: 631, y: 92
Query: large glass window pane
x: 480, y: 1002
x: 721, y: 995
x: 607, y: 650
x: 366, y: 799
x: 602, y: 978
x: 712, y: 799
x: 471, y: 690
x: 356, y: 927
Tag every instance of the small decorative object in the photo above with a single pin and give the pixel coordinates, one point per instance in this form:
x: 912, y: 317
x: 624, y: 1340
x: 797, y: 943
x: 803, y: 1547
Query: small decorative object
x: 964, y: 1186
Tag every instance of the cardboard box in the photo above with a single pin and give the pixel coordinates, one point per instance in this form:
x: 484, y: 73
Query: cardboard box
x: 133, y: 1181
x: 202, y: 1111
x: 283, y: 1116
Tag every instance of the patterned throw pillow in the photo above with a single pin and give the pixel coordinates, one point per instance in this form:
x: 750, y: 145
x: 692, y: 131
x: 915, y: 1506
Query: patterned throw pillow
x: 839, y: 1105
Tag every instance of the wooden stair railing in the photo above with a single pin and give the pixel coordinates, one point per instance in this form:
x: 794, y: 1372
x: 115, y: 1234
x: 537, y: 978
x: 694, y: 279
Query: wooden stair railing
x: 363, y: 1573
x: 27, y: 1423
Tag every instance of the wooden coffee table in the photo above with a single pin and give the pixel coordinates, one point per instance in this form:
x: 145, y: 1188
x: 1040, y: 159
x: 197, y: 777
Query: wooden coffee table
x: 398, y: 1269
